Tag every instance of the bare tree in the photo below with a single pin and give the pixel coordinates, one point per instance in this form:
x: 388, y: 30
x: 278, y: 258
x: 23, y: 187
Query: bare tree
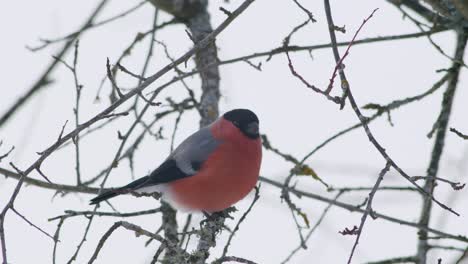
x: 135, y: 101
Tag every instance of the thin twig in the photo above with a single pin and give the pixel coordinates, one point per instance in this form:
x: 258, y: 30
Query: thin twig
x: 353, y: 208
x: 369, y: 209
x: 71, y: 213
x: 56, y: 239
x: 138, y: 230
x: 410, y: 259
x: 92, y: 25
x: 234, y: 259
x: 7, y: 153
x: 82, y: 241
x: 122, y: 68
x: 458, y: 133
x: 32, y: 224
x: 45, y: 79
x: 112, y: 79
x: 236, y: 228
x: 339, y: 64
x: 463, y: 256
x: 312, y: 230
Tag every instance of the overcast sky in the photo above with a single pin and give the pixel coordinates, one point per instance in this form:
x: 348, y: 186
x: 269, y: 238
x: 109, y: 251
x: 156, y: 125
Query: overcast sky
x: 295, y: 119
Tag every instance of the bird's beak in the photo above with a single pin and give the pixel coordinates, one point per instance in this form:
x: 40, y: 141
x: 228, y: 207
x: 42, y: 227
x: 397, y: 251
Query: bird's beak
x: 252, y: 128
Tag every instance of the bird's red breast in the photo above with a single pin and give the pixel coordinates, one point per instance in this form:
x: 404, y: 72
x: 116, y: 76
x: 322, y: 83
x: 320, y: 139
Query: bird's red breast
x: 228, y: 174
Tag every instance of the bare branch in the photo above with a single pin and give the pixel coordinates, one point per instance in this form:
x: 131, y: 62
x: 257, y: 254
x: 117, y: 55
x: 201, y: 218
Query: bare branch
x: 236, y: 228
x: 410, y: 259
x: 112, y: 80
x: 234, y: 259
x: 138, y: 231
x: 368, y: 208
x: 339, y: 64
x: 7, y: 153
x: 353, y: 208
x: 71, y: 213
x: 122, y: 68
x: 439, y: 143
x: 32, y: 224
x: 312, y: 230
x: 45, y: 79
x: 458, y: 133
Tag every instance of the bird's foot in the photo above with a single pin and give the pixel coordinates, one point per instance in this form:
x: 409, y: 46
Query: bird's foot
x: 212, y: 216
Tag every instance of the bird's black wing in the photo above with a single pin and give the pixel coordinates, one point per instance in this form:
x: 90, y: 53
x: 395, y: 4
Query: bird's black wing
x: 185, y: 161
x: 166, y: 172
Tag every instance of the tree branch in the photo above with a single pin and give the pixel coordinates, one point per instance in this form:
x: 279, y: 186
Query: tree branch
x: 45, y: 80
x: 439, y: 143
x: 197, y: 47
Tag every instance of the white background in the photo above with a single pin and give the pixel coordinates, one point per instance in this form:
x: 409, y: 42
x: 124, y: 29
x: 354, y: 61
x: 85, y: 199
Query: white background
x: 295, y: 119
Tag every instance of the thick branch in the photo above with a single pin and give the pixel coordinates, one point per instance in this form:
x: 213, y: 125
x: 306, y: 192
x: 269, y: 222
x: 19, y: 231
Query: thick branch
x: 439, y: 143
x: 50, y: 186
x: 195, y: 15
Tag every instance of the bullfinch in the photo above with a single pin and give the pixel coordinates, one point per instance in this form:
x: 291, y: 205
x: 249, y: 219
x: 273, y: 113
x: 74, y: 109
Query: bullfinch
x: 210, y: 170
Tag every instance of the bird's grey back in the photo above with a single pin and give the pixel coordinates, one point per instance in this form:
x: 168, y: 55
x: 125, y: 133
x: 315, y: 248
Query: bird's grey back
x: 195, y: 150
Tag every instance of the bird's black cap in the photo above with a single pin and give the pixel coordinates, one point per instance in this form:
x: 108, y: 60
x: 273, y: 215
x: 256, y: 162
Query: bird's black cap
x: 246, y: 120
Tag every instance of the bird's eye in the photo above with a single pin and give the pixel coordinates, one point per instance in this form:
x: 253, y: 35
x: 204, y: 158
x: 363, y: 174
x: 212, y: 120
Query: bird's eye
x: 235, y: 123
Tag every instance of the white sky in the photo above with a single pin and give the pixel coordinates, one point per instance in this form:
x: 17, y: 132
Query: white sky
x: 295, y: 119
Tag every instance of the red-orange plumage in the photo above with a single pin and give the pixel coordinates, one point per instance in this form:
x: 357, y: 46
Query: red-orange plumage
x: 228, y: 174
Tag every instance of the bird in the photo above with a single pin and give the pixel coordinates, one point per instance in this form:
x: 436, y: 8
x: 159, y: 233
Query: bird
x: 209, y: 171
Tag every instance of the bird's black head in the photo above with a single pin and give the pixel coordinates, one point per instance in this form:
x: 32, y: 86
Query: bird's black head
x: 245, y: 120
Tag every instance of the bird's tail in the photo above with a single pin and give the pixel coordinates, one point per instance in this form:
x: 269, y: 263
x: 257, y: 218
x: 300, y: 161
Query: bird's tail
x: 118, y: 191
x: 105, y: 195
